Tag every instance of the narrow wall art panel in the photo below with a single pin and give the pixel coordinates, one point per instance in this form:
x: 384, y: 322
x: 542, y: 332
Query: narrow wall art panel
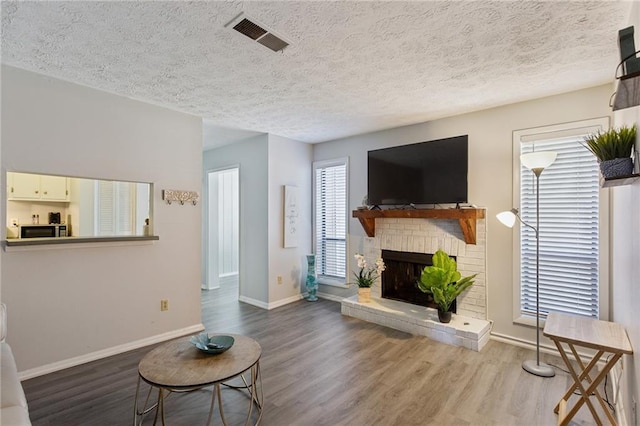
x: 290, y: 216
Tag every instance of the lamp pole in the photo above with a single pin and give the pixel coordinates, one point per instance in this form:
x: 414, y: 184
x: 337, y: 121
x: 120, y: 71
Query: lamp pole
x: 537, y: 173
x: 538, y: 369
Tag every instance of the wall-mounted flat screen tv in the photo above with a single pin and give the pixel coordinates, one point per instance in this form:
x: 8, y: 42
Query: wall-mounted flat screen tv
x: 433, y: 172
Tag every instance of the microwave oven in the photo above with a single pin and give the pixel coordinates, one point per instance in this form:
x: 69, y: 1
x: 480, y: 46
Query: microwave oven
x: 43, y: 231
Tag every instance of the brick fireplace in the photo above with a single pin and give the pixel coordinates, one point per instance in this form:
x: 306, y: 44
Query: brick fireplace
x: 469, y: 327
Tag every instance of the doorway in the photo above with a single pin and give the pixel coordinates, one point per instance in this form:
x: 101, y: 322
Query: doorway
x: 223, y: 231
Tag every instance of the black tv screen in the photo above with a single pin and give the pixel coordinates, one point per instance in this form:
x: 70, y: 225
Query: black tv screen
x: 431, y: 172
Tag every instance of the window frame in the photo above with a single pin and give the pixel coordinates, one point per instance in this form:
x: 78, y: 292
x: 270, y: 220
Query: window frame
x: 325, y: 279
x: 549, y: 132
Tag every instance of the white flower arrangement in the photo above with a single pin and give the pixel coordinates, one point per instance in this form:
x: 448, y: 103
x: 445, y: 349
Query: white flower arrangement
x: 367, y: 276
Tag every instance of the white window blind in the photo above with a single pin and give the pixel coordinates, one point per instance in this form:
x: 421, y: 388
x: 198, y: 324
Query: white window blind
x: 331, y: 219
x: 115, y: 208
x: 569, y: 217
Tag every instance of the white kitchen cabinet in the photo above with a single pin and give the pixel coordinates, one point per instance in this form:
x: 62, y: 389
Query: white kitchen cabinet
x: 25, y: 186
x: 54, y: 188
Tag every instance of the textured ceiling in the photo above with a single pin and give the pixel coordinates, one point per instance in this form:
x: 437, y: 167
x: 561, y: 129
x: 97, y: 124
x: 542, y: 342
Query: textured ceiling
x: 352, y: 67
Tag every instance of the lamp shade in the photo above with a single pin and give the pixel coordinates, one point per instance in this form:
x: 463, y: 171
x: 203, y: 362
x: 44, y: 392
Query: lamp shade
x: 538, y: 160
x: 508, y: 218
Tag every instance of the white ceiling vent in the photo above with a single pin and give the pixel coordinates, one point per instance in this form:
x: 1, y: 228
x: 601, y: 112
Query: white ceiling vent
x: 257, y: 32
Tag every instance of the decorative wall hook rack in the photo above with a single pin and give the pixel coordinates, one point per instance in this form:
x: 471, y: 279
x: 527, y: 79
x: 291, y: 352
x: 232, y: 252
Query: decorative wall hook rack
x: 171, y: 195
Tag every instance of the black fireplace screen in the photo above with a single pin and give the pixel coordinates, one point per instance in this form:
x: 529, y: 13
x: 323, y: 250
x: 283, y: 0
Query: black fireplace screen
x: 399, y: 280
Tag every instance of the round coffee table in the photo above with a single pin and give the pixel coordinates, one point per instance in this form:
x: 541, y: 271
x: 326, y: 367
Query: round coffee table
x: 178, y: 366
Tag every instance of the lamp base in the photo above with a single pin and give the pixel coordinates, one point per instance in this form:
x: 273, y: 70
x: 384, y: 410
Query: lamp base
x: 541, y: 369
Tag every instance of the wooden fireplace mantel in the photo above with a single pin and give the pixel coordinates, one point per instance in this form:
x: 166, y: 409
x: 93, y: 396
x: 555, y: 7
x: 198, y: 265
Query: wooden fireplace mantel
x: 466, y: 217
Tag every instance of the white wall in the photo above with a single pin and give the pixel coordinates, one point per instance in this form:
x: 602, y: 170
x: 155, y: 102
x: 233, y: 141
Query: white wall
x: 85, y: 299
x: 625, y: 262
x: 266, y: 163
x: 289, y: 164
x: 490, y: 177
x: 625, y: 268
x: 251, y: 158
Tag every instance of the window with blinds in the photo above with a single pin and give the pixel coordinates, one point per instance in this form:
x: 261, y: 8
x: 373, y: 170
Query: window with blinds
x: 569, y: 231
x: 115, y: 208
x: 330, y: 216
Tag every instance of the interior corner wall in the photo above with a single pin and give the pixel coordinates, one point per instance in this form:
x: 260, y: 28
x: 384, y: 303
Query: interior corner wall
x: 625, y: 264
x: 490, y: 179
x: 251, y: 157
x: 289, y: 164
x: 84, y: 299
x: 625, y: 269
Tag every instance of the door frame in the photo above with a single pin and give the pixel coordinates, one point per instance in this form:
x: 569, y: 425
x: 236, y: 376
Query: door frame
x: 207, y: 267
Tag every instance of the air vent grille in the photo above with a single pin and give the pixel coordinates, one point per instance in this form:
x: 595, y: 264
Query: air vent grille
x: 250, y: 29
x: 272, y: 42
x: 257, y: 32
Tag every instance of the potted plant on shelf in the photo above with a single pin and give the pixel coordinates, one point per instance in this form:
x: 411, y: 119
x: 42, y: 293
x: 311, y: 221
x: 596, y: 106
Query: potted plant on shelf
x: 444, y: 282
x: 613, y: 150
x: 366, y: 277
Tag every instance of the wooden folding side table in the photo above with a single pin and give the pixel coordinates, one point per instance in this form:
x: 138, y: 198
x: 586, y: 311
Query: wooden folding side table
x: 602, y: 336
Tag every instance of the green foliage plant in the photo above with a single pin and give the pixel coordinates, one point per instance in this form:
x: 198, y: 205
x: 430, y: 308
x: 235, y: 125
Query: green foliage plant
x: 443, y: 280
x: 614, y: 143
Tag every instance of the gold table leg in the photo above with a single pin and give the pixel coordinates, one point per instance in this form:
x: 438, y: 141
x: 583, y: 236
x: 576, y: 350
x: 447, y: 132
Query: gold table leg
x: 255, y: 397
x: 138, y: 414
x: 255, y: 393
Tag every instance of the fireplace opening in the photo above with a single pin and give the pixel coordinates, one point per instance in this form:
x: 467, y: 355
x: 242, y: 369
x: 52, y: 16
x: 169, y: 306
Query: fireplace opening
x: 400, y: 278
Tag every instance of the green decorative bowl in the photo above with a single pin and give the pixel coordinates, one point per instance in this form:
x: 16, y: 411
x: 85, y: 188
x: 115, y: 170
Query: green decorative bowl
x: 212, y: 344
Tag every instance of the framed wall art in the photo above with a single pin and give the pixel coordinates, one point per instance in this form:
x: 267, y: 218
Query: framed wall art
x: 290, y: 216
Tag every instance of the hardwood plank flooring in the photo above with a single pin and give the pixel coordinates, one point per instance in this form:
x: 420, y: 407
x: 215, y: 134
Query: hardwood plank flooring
x: 321, y: 368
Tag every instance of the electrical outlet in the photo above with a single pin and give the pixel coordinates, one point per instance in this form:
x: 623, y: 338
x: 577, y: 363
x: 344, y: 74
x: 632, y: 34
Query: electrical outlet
x: 164, y: 304
x: 14, y: 222
x: 280, y: 279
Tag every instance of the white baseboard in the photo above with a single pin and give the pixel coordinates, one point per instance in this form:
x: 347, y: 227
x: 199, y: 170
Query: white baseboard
x: 254, y: 302
x: 286, y: 301
x: 273, y: 305
x: 523, y: 343
x: 547, y: 349
x: 104, y: 353
x: 205, y: 286
x: 332, y: 297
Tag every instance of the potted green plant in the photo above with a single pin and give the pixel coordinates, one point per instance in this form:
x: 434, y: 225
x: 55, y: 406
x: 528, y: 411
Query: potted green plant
x: 444, y: 282
x: 366, y: 277
x: 613, y: 150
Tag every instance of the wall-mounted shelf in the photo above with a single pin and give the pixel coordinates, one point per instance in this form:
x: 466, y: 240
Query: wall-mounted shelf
x: 466, y: 217
x: 622, y: 180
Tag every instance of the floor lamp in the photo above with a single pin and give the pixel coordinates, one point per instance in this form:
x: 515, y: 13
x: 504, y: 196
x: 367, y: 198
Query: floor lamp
x: 536, y: 162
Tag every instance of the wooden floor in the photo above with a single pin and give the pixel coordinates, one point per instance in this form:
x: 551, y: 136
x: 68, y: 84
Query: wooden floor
x: 320, y: 368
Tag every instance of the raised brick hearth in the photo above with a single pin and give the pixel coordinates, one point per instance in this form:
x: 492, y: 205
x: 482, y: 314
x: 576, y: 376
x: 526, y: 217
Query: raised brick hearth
x: 470, y: 333
x: 469, y: 327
